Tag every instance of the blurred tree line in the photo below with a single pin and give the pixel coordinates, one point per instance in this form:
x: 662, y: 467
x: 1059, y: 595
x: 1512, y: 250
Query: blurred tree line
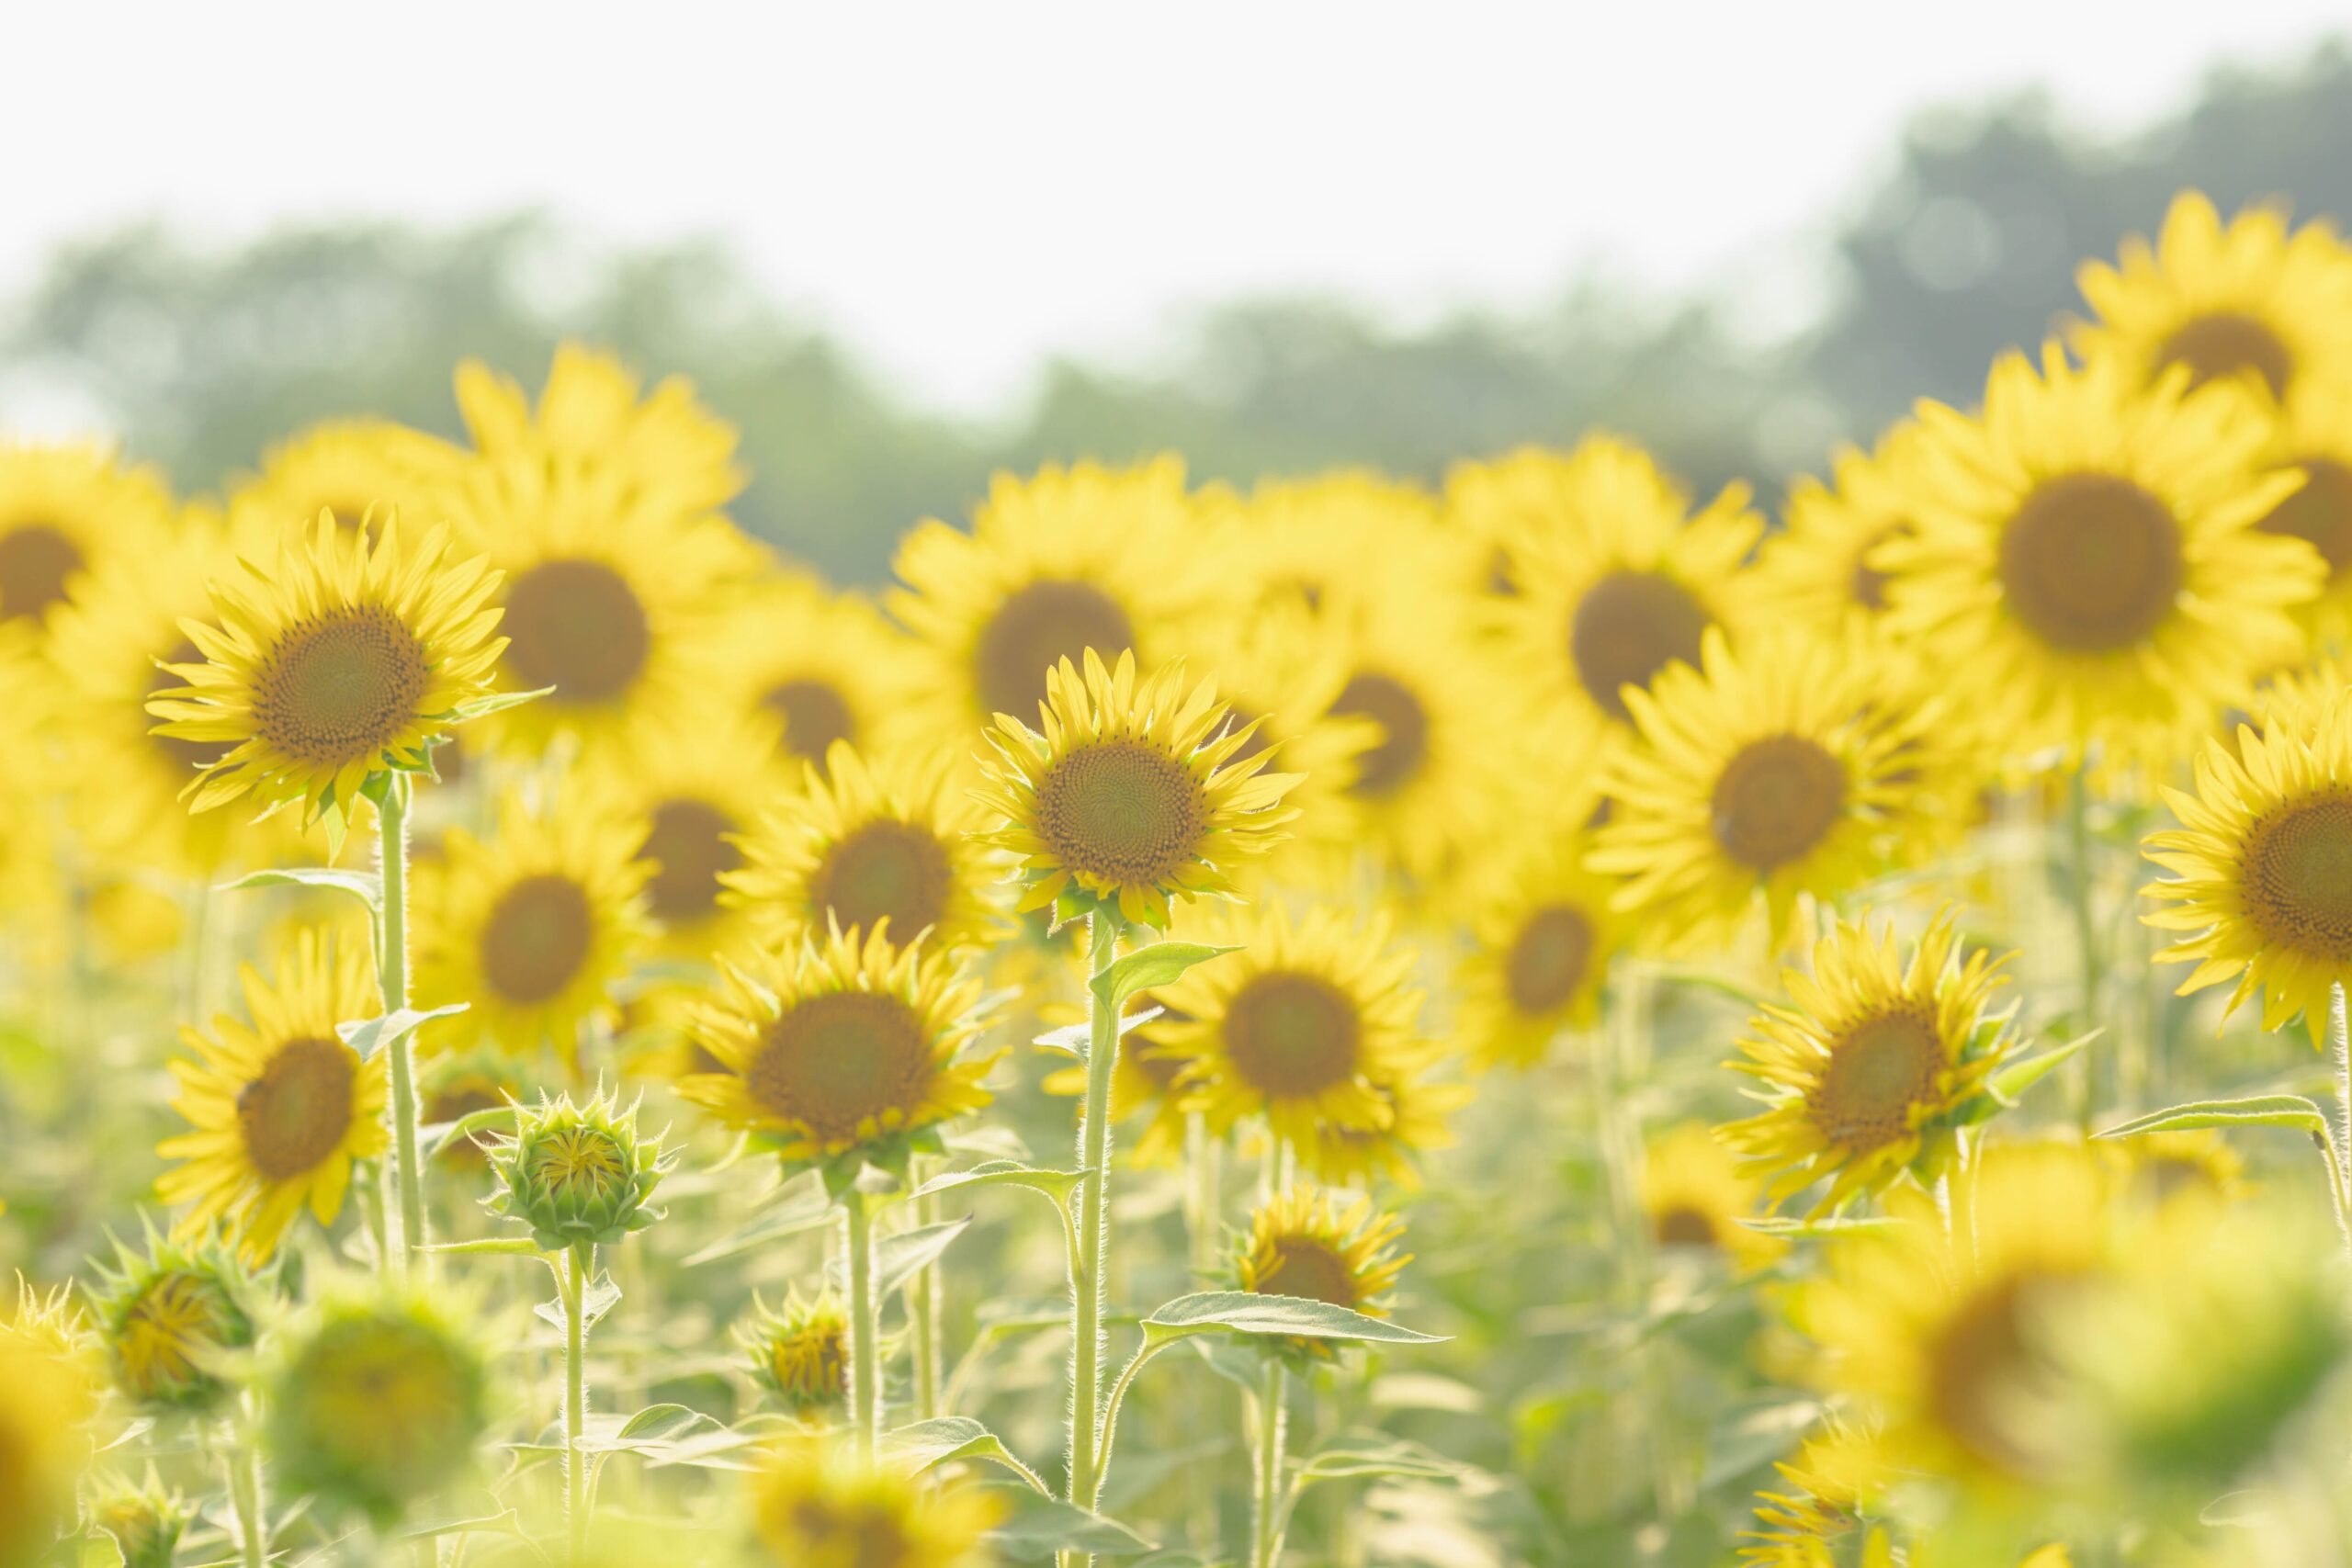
x: 1968, y: 245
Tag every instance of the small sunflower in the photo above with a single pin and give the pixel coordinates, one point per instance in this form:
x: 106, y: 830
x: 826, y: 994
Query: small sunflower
x: 348, y: 468
x: 2248, y: 301
x: 166, y: 1316
x: 813, y: 1506
x: 1543, y: 933
x: 1136, y: 792
x: 1841, y: 1474
x: 827, y: 666
x: 44, y: 1400
x: 1303, y: 1244
x: 799, y: 1352
x: 1874, y: 1064
x: 1696, y: 1197
x: 1300, y: 1026
x: 146, y: 1520
x: 2086, y: 560
x: 63, y: 510
x: 533, y: 927
x: 1417, y: 1105
x: 578, y: 1175
x: 280, y: 1105
x: 848, y: 1047
x: 2197, y: 1166
x: 341, y: 659
x: 861, y: 843
x: 1820, y: 570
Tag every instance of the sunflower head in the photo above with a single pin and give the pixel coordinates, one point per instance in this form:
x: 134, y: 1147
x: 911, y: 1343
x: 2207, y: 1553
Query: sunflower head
x: 168, y: 1315
x: 1842, y: 1473
x: 1304, y: 1244
x: 145, y: 1518
x: 45, y: 1398
x: 1544, y: 931
x: 814, y: 1506
x: 65, y: 510
x: 1697, y: 1200
x: 578, y: 1175
x: 799, y: 1351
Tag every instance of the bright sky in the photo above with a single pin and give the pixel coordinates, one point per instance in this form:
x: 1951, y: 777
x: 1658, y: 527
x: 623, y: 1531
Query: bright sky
x: 961, y: 189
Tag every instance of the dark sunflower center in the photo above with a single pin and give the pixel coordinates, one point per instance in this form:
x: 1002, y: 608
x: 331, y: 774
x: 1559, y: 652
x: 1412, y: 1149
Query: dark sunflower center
x: 187, y: 755
x: 1390, y: 762
x: 340, y: 687
x: 2091, y: 562
x: 815, y: 715
x: 2297, y: 868
x: 1985, y: 1358
x: 387, y: 1400
x: 2225, y: 343
x: 1548, y: 958
x: 838, y: 1061
x: 576, y: 625
x: 2320, y: 513
x: 885, y: 869
x: 1311, y: 1270
x: 1291, y: 1035
x: 1035, y: 629
x: 1868, y: 583
x: 35, y: 560
x: 855, y: 1534
x: 1776, y: 799
x: 295, y: 1113
x: 1876, y: 1073
x: 1630, y: 626
x: 1122, y: 812
x: 1683, y: 1225
x: 688, y: 846
x: 536, y: 938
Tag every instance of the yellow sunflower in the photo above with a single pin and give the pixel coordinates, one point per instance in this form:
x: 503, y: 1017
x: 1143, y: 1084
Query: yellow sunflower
x: 1542, y: 931
x: 2313, y: 438
x: 1330, y: 544
x: 799, y: 1352
x: 1069, y: 562
x: 1783, y: 771
x: 533, y: 928
x: 1875, y: 1065
x: 860, y: 843
x: 44, y: 1401
x: 64, y: 509
x: 31, y: 886
x: 1418, y: 1106
x: 350, y: 469
x: 814, y: 1506
x: 847, y: 1045
x: 280, y: 1105
x: 2084, y: 560
x: 1840, y: 1472
x: 1300, y: 1026
x: 594, y: 414
x: 339, y: 660
x: 1819, y: 569
x: 1136, y: 792
x: 166, y: 1315
x: 1696, y: 1196
x: 2256, y: 866
x: 826, y: 666
x: 2247, y: 302
x: 1304, y: 1243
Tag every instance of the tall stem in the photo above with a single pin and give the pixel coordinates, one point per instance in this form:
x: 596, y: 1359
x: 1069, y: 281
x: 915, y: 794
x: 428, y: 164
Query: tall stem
x: 1266, y: 1495
x: 244, y: 1496
x: 865, y: 1350
x: 579, y: 1264
x: 923, y: 1312
x: 391, y: 977
x: 1086, y: 1281
x: 1204, y: 1203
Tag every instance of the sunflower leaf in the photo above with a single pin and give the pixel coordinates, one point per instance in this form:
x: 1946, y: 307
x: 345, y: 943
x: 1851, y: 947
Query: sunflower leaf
x: 372, y: 1035
x: 1054, y: 1184
x: 497, y: 702
x: 1036, y: 1527
x: 898, y: 1259
x: 1149, y: 968
x: 1249, y: 1311
x: 929, y: 1444
x: 1362, y: 1455
x: 439, y: 1135
x: 2261, y: 1110
x: 364, y: 886
x: 1072, y: 1039
x: 805, y: 1208
x: 2013, y: 1079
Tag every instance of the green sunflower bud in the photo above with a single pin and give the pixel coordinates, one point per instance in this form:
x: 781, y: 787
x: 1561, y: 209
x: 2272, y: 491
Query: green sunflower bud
x: 146, y: 1520
x: 578, y: 1176
x: 799, y: 1352
x: 168, y: 1315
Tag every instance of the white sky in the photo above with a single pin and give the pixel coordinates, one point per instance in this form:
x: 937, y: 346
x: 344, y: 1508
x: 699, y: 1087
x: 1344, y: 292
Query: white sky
x: 961, y: 189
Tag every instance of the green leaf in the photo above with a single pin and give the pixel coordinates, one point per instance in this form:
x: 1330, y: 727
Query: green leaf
x: 1036, y: 1527
x: 928, y: 1444
x: 1247, y: 1312
x: 898, y: 1259
x: 1148, y: 968
x: 2262, y: 1111
x: 1054, y: 1184
x: 502, y: 1522
x: 1826, y: 1225
x: 1350, y: 1456
x: 1073, y: 1039
x: 497, y: 702
x: 806, y: 1208
x: 372, y: 1035
x: 364, y: 886
x: 2012, y: 1080
x: 499, y: 1245
x: 439, y: 1135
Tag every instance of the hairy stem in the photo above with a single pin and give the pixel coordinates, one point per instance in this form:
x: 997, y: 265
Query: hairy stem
x: 391, y: 977
x: 1086, y: 1278
x: 244, y: 1496
x: 865, y: 1314
x: 1266, y: 1494
x: 924, y: 1309
x: 579, y: 1264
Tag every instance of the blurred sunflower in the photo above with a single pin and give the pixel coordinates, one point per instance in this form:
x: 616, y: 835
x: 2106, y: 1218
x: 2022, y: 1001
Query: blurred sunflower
x: 2085, y: 560
x: 813, y: 1506
x: 349, y: 468
x: 826, y: 666
x: 1542, y: 931
x: 455, y: 1085
x: 1418, y: 1106
x: 2193, y: 1166
x: 1819, y: 569
x: 1327, y: 545
x: 2313, y: 438
x: 1871, y: 1070
x: 167, y: 1315
x: 31, y: 888
x: 44, y: 1400
x: 1303, y: 1244
x: 594, y: 414
x: 533, y: 927
x: 1696, y: 1197
x: 1841, y: 1474
x: 799, y: 1352
x: 280, y: 1106
x: 862, y: 843
x: 64, y: 509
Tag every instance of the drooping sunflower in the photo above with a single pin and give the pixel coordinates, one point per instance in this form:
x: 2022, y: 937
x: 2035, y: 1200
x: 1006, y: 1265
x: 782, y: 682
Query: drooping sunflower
x: 280, y: 1105
x: 167, y: 1313
x: 533, y: 927
x: 1542, y: 931
x: 348, y: 468
x: 341, y: 658
x: 2085, y: 560
x: 64, y: 509
x: 2247, y: 302
x: 44, y: 1400
x: 1136, y: 792
x: 1066, y: 564
x: 826, y: 666
x: 1304, y: 1243
x: 1696, y: 1197
x: 851, y: 1046
x: 860, y: 843
x: 799, y: 1351
x: 1874, y: 1064
x: 1781, y: 771
x: 815, y: 1507
x: 1300, y: 1026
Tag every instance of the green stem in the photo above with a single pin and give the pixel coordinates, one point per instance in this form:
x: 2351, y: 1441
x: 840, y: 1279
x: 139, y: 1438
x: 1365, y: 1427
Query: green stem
x: 923, y: 1312
x: 391, y: 976
x: 865, y: 1353
x: 1204, y: 1170
x: 580, y: 1265
x: 2083, y: 889
x: 244, y: 1496
x: 1266, y: 1494
x: 1086, y: 1279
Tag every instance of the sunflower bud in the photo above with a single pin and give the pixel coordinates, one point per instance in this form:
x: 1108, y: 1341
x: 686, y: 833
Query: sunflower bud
x: 166, y: 1317
x: 146, y: 1520
x: 799, y: 1352
x: 577, y: 1174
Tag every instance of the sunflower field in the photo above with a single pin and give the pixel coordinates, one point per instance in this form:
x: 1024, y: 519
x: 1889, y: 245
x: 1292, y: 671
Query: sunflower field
x: 1544, y: 1018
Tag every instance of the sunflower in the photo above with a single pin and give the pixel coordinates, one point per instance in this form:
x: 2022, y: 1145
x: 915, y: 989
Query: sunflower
x: 31, y: 889
x: 826, y: 666
x: 1069, y: 562
x: 860, y: 843
x: 44, y: 1400
x: 2247, y: 302
x: 2085, y: 556
x: 665, y: 444
x: 847, y: 1046
x: 1417, y: 1105
x: 1330, y: 544
x: 1300, y: 1026
x: 1302, y: 1244
x: 1781, y: 771
x: 349, y: 468
x: 799, y: 1352
x: 1696, y: 1198
x: 1875, y: 1065
x: 1819, y: 569
x: 533, y: 927
x: 2197, y: 1166
x: 343, y: 659
x: 1136, y: 792
x: 814, y: 1506
x: 64, y: 509
x: 1542, y: 933
x: 167, y: 1315
x: 280, y: 1106
x: 1840, y: 1472
x: 2313, y: 438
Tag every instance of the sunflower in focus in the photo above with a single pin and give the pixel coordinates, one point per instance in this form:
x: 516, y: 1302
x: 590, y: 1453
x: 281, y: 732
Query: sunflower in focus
x: 1136, y: 792
x: 533, y: 927
x: 799, y: 1352
x: 1875, y: 1065
x: 826, y: 666
x: 44, y: 1401
x: 63, y: 510
x: 349, y: 468
x: 1696, y: 1197
x: 851, y: 1046
x: 1781, y: 771
x: 1303, y: 1244
x: 814, y: 1506
x: 343, y: 659
x: 2086, y: 559
x: 279, y: 1107
x: 861, y: 843
x: 2248, y: 302
x: 1543, y: 929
